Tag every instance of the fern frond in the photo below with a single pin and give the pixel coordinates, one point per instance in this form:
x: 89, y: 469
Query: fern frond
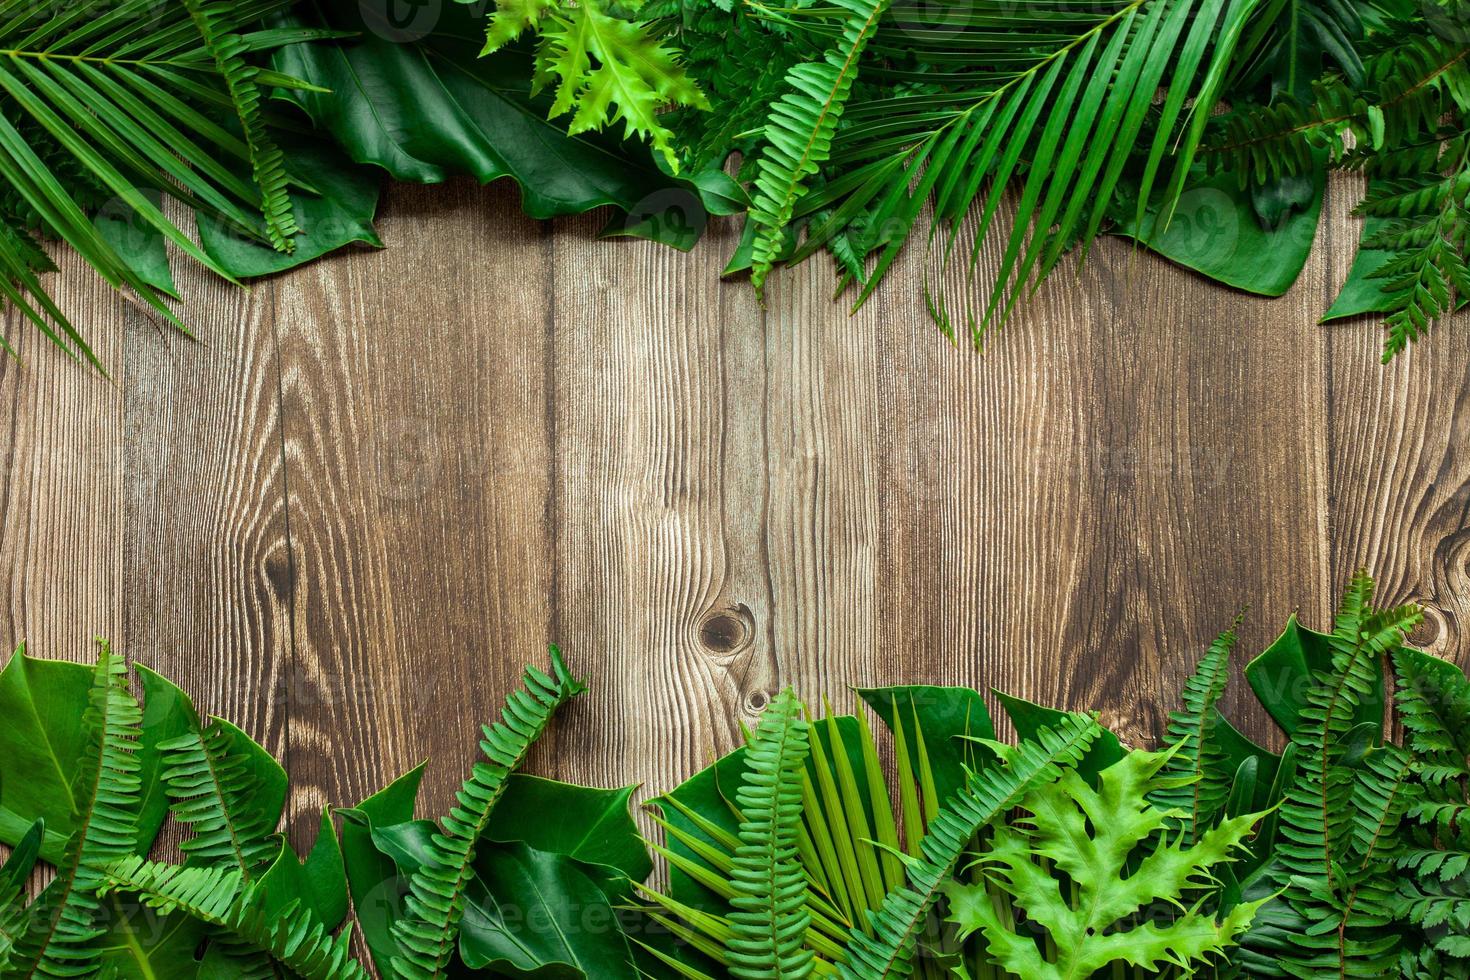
x: 427, y: 934
x: 222, y: 898
x: 209, y: 785
x: 1327, y: 848
x: 1199, y: 782
x: 1082, y: 871
x: 988, y: 794
x: 769, y: 922
x: 59, y: 940
x: 211, y: 18
x: 801, y: 128
x: 603, y: 68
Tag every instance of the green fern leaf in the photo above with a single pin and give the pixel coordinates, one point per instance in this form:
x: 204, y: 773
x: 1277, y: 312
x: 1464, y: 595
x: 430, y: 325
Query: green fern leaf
x: 1325, y: 848
x: 1199, y: 779
x: 800, y: 131
x: 223, y: 898
x: 988, y: 795
x: 1094, y: 837
x: 58, y: 942
x: 603, y: 69
x: 435, y: 904
x: 210, y: 785
x: 769, y: 922
x: 212, y: 19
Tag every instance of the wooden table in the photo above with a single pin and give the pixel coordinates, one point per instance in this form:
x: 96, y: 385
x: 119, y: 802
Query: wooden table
x: 377, y: 485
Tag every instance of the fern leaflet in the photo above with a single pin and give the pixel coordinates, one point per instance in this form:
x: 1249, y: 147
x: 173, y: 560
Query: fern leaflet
x: 435, y: 903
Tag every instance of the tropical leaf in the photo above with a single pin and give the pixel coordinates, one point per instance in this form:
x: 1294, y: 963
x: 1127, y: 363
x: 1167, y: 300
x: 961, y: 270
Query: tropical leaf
x: 1198, y: 771
x: 222, y: 898
x: 769, y: 922
x: 989, y: 794
x: 111, y: 99
x: 436, y: 900
x: 14, y: 874
x: 800, y: 130
x: 223, y: 791
x: 603, y: 69
x: 59, y: 939
x: 1098, y: 838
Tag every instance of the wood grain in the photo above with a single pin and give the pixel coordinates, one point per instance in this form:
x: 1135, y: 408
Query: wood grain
x: 380, y: 484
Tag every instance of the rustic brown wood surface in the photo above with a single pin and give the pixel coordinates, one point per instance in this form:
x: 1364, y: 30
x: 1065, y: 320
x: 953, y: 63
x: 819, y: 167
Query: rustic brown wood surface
x: 374, y: 487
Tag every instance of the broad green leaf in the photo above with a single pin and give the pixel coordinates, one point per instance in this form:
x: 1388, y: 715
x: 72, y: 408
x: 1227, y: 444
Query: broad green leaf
x: 1029, y: 718
x: 372, y: 876
x: 528, y: 912
x: 1282, y: 676
x: 424, y: 106
x: 141, y: 943
x: 1217, y: 232
x: 592, y: 825
x: 339, y: 213
x: 41, y: 745
x: 947, y: 716
x: 318, y: 883
x: 139, y: 244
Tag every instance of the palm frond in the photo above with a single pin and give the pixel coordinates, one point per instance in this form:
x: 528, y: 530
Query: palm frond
x: 110, y: 100
x: 1066, y: 99
x: 988, y: 795
x: 435, y: 903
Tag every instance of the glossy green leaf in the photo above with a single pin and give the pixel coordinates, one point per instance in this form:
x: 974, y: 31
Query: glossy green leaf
x: 1216, y: 230
x: 947, y: 716
x: 528, y: 913
x: 592, y: 825
x: 1282, y: 676
x: 372, y: 876
x: 140, y: 245
x: 339, y: 213
x: 41, y: 745
x: 416, y: 99
x: 318, y: 883
x: 1029, y: 718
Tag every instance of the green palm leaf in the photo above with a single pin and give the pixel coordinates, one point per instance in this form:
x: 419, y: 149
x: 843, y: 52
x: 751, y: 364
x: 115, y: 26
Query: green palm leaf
x: 1066, y: 98
x: 435, y: 904
x: 114, y: 100
x: 988, y: 794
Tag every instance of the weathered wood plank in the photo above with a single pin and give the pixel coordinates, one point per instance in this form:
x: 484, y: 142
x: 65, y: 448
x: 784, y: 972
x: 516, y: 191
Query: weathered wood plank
x: 663, y: 595
x: 418, y: 459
